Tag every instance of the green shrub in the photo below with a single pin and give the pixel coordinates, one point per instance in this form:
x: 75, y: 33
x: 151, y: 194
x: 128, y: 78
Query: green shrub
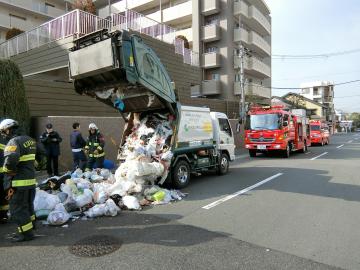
x: 13, y: 102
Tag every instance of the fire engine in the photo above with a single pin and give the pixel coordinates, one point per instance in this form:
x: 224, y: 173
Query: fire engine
x: 319, y: 132
x: 273, y: 128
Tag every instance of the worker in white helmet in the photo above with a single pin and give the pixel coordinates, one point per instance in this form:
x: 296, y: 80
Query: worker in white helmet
x: 95, y: 148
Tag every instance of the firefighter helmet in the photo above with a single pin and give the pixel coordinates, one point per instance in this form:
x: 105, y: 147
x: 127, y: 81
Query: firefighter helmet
x: 8, y: 123
x: 92, y: 126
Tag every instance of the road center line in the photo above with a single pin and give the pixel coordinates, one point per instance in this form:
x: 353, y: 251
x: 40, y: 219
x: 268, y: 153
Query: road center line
x: 340, y: 146
x: 229, y: 197
x: 319, y: 156
x: 350, y: 141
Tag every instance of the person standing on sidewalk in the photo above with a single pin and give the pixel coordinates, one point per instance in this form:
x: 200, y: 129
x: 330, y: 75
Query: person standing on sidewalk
x: 95, y: 148
x: 19, y: 178
x: 77, y: 144
x: 51, y: 140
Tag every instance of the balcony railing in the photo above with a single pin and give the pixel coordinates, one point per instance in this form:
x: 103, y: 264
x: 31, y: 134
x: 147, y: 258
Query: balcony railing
x: 78, y: 23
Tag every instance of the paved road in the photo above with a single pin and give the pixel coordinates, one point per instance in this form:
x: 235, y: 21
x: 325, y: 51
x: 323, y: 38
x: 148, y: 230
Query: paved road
x: 301, y: 213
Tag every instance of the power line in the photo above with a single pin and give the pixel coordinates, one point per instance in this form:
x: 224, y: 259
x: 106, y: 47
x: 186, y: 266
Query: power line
x: 314, y: 56
x: 299, y: 88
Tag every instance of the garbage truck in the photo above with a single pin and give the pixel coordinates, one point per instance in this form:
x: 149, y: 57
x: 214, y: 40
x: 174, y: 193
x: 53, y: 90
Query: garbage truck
x: 274, y: 129
x: 119, y: 69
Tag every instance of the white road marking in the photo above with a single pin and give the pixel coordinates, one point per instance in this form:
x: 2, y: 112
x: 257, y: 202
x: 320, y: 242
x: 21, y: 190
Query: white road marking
x: 319, y: 156
x: 350, y: 141
x: 229, y: 197
x: 340, y: 146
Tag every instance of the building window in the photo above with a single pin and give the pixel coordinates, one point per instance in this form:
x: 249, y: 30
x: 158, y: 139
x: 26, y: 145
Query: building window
x: 215, y: 76
x: 212, y: 50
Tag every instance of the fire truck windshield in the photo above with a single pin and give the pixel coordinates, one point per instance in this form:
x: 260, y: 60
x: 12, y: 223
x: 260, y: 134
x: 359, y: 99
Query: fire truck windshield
x: 314, y: 127
x: 264, y: 121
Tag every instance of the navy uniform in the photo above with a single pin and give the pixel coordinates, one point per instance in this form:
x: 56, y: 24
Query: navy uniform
x: 4, y: 205
x: 19, y: 178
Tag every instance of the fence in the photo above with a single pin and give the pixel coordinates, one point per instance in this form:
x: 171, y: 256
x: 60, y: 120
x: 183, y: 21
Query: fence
x: 78, y: 23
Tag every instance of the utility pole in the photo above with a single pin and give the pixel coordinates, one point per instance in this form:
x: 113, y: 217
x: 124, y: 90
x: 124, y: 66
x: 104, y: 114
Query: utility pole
x: 242, y: 115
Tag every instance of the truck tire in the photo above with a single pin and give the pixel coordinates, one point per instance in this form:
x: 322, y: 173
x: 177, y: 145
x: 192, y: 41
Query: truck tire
x: 223, y: 167
x: 286, y: 153
x: 181, y: 174
x: 304, y: 149
x: 252, y: 153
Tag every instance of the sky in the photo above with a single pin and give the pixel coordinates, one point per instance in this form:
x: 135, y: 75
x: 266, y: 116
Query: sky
x: 317, y: 27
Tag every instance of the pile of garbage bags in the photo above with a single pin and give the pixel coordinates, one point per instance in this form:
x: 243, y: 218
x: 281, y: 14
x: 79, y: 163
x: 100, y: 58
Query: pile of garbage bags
x: 146, y: 160
x: 95, y: 194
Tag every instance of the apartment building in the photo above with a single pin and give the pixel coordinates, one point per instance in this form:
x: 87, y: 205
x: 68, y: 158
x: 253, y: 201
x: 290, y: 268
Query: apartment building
x: 27, y: 14
x: 322, y: 92
x: 216, y: 29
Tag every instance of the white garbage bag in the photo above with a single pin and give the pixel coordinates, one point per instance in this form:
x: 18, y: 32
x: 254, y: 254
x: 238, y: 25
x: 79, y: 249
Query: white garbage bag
x: 84, y: 199
x: 101, y: 192
x: 59, y: 216
x: 105, y: 173
x: 131, y: 202
x: 96, y: 178
x: 45, y: 201
x: 111, y: 208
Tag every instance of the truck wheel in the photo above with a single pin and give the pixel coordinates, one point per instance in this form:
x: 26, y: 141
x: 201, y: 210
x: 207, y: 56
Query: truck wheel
x: 304, y: 150
x: 252, y: 153
x: 286, y: 153
x: 181, y: 174
x: 224, y: 164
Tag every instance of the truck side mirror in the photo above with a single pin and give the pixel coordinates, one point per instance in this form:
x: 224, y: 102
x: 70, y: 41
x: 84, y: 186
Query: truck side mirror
x: 285, y: 123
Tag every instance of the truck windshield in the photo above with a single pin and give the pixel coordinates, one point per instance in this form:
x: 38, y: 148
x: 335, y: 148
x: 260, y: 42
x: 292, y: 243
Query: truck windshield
x: 264, y: 121
x: 314, y: 128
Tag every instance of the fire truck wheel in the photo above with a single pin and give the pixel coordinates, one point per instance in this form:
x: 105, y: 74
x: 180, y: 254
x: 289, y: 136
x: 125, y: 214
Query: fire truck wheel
x: 304, y: 150
x: 181, y: 174
x: 287, y: 151
x: 224, y: 164
x: 252, y: 153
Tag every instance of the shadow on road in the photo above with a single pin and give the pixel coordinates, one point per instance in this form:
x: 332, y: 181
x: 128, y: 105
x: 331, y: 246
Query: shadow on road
x: 129, y: 227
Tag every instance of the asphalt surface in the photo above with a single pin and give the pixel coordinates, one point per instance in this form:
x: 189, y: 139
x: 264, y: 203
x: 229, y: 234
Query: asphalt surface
x: 301, y: 213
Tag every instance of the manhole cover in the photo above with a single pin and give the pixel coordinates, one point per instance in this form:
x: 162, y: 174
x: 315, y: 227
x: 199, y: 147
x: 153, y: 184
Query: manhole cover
x: 95, y: 246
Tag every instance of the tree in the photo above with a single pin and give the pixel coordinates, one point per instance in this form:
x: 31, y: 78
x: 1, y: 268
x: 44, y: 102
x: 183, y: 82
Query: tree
x: 356, y: 119
x: 85, y: 5
x: 12, y: 94
x: 13, y: 32
x: 186, y: 42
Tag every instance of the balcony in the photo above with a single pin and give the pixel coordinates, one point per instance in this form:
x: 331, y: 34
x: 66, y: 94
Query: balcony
x: 260, y: 20
x: 211, y: 60
x: 253, y: 66
x: 195, y: 90
x: 259, y: 44
x: 253, y: 90
x: 178, y: 14
x: 252, y: 17
x: 241, y: 35
x: 33, y: 8
x: 241, y: 8
x: 210, y: 87
x: 210, y: 33
x: 210, y: 7
x: 253, y: 40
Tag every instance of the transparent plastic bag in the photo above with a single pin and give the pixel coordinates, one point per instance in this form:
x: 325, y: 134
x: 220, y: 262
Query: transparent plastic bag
x: 45, y: 201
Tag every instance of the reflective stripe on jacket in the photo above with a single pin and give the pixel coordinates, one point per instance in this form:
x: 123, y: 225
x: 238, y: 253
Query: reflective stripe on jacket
x: 19, y: 162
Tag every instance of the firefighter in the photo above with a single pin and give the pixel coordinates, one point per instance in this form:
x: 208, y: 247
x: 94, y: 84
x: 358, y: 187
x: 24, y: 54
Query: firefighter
x: 4, y: 205
x: 95, y: 148
x: 19, y: 178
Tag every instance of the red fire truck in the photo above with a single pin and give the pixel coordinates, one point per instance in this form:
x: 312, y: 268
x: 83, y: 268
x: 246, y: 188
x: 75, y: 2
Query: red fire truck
x: 319, y: 132
x: 275, y: 129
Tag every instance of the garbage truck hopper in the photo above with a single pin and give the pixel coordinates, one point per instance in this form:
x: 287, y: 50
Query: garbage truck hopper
x: 120, y: 70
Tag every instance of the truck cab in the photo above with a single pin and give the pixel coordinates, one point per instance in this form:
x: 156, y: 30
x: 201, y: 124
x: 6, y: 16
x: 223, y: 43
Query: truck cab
x: 319, y: 133
x: 223, y: 134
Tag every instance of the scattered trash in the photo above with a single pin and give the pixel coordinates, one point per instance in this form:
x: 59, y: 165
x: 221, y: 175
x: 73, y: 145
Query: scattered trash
x: 82, y: 195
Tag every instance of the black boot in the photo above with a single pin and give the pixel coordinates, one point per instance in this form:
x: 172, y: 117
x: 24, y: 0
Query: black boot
x: 21, y: 237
